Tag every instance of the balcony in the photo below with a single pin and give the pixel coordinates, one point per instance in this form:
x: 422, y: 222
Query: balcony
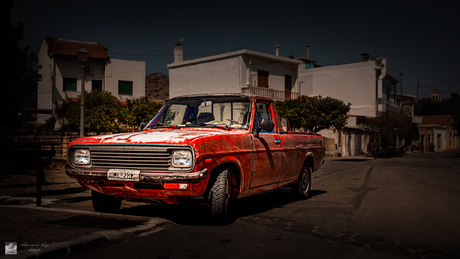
x: 267, y: 92
x: 391, y: 105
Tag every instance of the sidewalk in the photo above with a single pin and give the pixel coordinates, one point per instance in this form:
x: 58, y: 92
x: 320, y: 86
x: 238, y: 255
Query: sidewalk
x: 65, y: 223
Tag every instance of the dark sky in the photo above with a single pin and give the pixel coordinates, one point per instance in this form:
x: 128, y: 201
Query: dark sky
x: 421, y: 39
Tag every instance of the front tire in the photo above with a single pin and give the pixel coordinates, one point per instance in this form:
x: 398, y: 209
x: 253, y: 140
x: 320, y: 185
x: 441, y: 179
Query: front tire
x: 301, y: 189
x: 219, y: 194
x: 105, y: 203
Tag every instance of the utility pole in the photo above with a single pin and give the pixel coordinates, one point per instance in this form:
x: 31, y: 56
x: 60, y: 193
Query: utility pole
x: 418, y: 84
x: 82, y: 55
x: 402, y: 111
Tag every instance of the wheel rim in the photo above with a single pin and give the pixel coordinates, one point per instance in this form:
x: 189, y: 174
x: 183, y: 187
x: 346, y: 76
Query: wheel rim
x: 305, y: 181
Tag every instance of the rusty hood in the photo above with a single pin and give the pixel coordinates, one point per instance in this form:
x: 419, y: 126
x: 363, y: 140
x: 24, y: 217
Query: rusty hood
x: 160, y: 137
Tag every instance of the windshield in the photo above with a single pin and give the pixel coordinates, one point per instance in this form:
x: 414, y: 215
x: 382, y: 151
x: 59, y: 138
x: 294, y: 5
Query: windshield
x: 209, y: 111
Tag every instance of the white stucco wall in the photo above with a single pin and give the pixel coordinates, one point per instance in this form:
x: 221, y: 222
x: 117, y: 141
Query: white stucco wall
x: 125, y: 70
x: 217, y: 76
x: 351, y: 83
x: 439, y: 143
x: 228, y: 73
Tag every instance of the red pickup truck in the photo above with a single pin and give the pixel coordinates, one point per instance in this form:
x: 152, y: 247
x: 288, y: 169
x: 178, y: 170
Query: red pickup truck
x: 211, y: 147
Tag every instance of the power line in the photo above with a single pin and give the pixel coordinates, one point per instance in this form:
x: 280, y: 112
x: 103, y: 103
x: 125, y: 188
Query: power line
x: 453, y: 85
x: 441, y: 83
x: 437, y: 84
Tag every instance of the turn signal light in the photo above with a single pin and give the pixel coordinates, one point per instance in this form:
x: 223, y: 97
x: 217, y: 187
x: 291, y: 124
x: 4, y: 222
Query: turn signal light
x: 175, y: 186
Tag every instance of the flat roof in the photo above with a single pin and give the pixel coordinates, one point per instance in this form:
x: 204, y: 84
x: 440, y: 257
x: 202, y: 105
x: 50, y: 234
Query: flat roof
x: 237, y: 53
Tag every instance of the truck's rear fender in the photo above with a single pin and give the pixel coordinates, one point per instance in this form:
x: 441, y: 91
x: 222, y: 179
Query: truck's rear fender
x: 308, y: 161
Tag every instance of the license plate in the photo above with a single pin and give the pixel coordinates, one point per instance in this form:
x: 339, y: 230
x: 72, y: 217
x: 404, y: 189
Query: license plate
x: 123, y: 175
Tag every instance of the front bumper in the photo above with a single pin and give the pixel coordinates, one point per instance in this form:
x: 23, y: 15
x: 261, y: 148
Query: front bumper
x: 144, y: 176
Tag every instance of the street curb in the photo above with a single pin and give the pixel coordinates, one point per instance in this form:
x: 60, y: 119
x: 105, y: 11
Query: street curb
x: 99, y: 238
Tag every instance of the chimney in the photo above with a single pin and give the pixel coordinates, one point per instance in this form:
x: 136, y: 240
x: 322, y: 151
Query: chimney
x: 277, y: 50
x: 178, y: 54
x: 308, y: 51
x: 365, y: 57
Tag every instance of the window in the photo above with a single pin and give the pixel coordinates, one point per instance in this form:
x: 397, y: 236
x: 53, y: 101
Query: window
x: 96, y: 85
x: 69, y: 84
x: 262, y: 112
x: 287, y: 86
x: 229, y: 111
x: 125, y: 87
x: 262, y: 78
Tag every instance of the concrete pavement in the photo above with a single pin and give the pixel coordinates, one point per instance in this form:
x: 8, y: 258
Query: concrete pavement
x: 65, y: 223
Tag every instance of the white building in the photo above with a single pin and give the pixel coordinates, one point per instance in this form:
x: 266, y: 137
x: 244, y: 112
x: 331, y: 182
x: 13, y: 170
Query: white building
x: 370, y: 88
x: 243, y: 71
x: 61, y: 74
x: 437, y: 133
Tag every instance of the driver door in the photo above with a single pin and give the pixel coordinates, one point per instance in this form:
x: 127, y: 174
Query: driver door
x: 268, y: 150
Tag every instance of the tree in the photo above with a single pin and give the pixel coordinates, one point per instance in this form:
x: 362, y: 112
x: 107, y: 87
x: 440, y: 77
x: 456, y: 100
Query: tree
x: 314, y: 113
x: 426, y: 106
x: 389, y: 125
x: 103, y: 112
x: 141, y: 110
x: 18, y: 70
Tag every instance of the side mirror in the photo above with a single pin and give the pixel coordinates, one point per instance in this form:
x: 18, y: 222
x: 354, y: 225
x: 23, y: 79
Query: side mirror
x: 266, y: 125
x: 141, y: 126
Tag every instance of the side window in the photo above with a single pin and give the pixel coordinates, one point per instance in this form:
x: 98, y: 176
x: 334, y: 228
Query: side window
x: 262, y: 112
x: 69, y: 84
x: 125, y: 87
x: 96, y: 85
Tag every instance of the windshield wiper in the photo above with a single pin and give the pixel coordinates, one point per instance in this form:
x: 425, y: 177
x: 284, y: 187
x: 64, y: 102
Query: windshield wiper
x: 162, y: 125
x: 217, y: 126
x: 209, y: 126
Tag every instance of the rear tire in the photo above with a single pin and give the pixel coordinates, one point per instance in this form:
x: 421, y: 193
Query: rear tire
x: 105, y: 203
x: 219, y: 194
x: 301, y: 189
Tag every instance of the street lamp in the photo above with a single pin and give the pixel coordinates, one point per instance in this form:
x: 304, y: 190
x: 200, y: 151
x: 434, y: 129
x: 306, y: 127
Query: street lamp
x: 83, y: 55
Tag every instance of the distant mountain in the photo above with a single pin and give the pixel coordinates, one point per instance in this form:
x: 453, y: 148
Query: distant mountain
x: 157, y: 87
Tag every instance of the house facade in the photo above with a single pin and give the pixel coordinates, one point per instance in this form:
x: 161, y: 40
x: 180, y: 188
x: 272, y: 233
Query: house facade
x: 61, y: 74
x: 369, y: 86
x: 243, y: 71
x: 436, y: 133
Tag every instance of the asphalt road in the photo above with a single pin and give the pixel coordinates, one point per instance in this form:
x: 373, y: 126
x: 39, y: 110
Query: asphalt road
x: 359, y: 208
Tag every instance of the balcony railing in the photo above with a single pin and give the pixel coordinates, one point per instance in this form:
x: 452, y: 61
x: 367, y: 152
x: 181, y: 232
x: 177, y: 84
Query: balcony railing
x: 267, y: 92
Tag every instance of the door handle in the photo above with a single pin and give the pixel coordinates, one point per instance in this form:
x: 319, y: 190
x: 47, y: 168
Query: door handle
x: 277, y: 141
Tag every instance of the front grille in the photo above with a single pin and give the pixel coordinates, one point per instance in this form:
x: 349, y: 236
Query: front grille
x: 155, y: 158
x: 130, y: 157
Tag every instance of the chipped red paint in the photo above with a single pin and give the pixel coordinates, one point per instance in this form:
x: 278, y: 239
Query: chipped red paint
x: 258, y: 164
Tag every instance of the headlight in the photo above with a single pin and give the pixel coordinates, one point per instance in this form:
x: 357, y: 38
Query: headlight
x: 81, y: 157
x: 181, y: 158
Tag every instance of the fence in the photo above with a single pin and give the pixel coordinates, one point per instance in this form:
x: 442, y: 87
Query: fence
x: 63, y: 139
x: 267, y: 92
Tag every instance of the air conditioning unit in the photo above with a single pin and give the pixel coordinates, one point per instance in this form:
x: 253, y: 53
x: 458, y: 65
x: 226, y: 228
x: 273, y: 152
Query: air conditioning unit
x: 89, y: 70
